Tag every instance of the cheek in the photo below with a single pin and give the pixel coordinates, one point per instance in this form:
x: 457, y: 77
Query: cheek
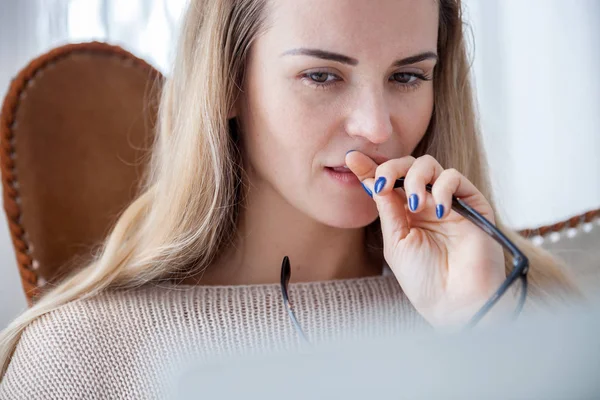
x: 289, y: 125
x: 282, y: 134
x: 412, y: 118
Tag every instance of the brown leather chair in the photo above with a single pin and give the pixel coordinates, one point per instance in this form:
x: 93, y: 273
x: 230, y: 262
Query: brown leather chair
x: 76, y: 127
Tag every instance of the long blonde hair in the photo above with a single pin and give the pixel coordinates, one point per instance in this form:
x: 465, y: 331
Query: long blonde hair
x: 187, y: 209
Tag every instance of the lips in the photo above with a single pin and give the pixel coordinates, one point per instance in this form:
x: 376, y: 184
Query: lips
x: 340, y: 169
x: 342, y: 175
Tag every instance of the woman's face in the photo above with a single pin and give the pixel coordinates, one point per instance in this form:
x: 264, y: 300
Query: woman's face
x: 329, y: 76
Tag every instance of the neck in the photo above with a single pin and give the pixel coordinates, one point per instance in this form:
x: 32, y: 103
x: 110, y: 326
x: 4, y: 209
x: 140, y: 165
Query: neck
x: 269, y: 228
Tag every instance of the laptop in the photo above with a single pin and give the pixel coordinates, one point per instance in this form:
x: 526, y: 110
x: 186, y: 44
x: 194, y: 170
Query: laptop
x: 539, y: 357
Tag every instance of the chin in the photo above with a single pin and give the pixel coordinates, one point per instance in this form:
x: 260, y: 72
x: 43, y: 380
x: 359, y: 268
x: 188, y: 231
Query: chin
x: 348, y: 217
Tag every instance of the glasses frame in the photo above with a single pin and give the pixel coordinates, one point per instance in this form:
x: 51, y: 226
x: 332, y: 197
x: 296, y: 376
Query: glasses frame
x: 519, y: 271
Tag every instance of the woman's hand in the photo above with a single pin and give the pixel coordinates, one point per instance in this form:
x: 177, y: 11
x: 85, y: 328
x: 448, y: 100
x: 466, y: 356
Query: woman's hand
x: 447, y: 267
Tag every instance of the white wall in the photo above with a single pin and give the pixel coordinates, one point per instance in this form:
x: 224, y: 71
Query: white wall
x: 539, y: 92
x: 16, y: 42
x: 535, y: 65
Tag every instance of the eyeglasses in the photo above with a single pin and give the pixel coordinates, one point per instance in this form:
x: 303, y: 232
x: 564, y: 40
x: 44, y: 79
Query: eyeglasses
x: 519, y: 261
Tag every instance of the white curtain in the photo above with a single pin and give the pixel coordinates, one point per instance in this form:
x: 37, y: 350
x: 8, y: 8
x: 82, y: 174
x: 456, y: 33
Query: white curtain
x: 535, y: 66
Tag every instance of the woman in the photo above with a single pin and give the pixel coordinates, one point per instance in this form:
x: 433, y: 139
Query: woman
x: 267, y: 103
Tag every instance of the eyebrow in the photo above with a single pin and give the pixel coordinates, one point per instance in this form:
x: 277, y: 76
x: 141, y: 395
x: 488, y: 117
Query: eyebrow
x: 428, y: 55
x: 328, y: 55
x: 322, y: 54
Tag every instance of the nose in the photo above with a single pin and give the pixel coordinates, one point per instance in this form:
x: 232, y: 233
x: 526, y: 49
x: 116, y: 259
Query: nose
x: 370, y: 117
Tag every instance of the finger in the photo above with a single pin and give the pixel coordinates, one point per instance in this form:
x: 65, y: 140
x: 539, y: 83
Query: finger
x: 387, y: 173
x: 393, y: 217
x: 368, y: 185
x: 424, y: 170
x: 453, y: 183
x: 361, y: 165
x: 391, y: 204
x: 364, y: 168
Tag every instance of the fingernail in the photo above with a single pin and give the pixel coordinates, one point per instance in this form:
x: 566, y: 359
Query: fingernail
x: 439, y: 211
x: 350, y: 151
x: 413, y: 202
x: 367, y: 190
x: 379, y: 184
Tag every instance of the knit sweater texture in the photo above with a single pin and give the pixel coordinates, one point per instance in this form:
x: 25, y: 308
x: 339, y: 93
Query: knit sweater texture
x: 127, y: 344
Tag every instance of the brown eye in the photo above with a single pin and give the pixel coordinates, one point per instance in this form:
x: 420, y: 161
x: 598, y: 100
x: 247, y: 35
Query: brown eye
x: 405, y: 77
x: 319, y: 77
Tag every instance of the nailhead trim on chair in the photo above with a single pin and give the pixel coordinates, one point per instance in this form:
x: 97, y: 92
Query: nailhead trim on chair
x: 27, y: 265
x: 573, y: 222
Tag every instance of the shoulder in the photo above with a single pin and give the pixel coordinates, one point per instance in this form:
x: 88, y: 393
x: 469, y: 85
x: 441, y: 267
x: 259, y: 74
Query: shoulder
x: 85, y: 349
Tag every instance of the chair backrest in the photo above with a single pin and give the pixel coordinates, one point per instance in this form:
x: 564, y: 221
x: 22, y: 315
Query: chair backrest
x: 76, y: 128
x: 576, y: 241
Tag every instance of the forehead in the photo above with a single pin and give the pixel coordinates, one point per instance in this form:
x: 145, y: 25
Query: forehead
x: 354, y: 27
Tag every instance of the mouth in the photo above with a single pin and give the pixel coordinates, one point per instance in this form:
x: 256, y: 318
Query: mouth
x: 343, y: 175
x: 341, y: 169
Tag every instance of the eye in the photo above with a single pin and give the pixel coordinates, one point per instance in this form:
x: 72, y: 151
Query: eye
x: 406, y: 78
x: 321, y: 77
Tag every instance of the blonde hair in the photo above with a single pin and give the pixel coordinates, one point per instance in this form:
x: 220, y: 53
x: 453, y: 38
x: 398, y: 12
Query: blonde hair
x: 188, y: 206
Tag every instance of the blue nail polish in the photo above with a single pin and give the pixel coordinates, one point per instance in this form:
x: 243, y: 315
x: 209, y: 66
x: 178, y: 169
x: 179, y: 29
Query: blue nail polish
x: 367, y: 190
x: 413, y: 202
x: 439, y: 211
x: 379, y: 184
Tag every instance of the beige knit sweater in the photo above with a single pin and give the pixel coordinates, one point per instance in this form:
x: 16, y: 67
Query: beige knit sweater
x: 125, y: 344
